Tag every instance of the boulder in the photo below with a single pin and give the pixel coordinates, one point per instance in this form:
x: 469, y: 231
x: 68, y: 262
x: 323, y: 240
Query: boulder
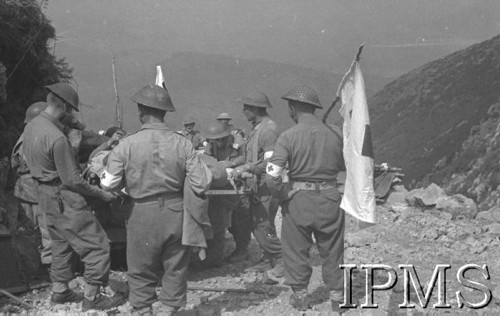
x: 457, y: 205
x: 492, y: 215
x: 397, y: 196
x: 427, y: 197
x: 494, y: 229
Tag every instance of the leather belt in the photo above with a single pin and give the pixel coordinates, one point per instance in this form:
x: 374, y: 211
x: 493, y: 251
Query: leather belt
x: 313, y: 185
x: 158, y: 198
x: 52, y: 182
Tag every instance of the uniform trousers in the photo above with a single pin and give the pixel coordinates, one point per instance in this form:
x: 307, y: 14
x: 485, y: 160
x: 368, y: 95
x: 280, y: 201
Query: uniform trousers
x: 313, y: 213
x: 74, y: 228
x: 219, y: 212
x: 241, y: 223
x: 155, y: 251
x: 263, y: 211
x: 35, y: 214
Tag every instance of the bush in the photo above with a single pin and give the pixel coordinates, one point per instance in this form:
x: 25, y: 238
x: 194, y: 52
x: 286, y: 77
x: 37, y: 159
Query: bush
x: 29, y: 65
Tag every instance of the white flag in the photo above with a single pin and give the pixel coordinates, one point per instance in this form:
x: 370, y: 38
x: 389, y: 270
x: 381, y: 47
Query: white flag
x: 359, y: 194
x: 160, y: 81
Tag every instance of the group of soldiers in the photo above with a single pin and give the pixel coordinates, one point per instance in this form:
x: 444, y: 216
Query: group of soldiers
x: 167, y: 174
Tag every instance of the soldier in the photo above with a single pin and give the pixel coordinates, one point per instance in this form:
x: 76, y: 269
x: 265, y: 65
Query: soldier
x: 221, y: 208
x: 153, y: 165
x: 99, y: 156
x: 114, y: 134
x: 191, y: 134
x: 237, y: 134
x: 71, y: 223
x: 313, y: 151
x: 263, y: 207
x: 224, y: 119
x: 25, y: 189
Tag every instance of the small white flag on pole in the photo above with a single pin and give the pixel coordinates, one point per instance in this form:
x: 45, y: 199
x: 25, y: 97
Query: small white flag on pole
x: 160, y: 81
x: 359, y: 194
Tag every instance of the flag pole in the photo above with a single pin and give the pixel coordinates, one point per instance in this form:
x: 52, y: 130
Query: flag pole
x: 118, y: 109
x: 360, y: 49
x: 337, y: 97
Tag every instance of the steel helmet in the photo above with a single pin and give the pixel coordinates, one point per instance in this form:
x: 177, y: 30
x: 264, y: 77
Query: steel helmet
x: 256, y: 98
x: 303, y: 94
x: 155, y: 97
x: 66, y: 93
x: 215, y: 130
x: 34, y: 110
x: 188, y: 120
x: 224, y: 116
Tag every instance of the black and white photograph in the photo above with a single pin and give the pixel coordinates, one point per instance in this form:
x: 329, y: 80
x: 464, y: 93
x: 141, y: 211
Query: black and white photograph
x: 258, y: 157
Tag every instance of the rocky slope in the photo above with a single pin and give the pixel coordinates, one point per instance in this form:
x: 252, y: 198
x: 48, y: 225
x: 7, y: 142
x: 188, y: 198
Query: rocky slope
x: 426, y: 115
x: 404, y: 234
x: 474, y: 170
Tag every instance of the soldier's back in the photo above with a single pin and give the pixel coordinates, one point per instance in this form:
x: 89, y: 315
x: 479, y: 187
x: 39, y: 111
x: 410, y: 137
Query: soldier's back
x: 315, y: 149
x: 155, y: 161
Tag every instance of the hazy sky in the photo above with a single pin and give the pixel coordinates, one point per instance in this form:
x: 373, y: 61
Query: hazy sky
x: 317, y: 33
x: 324, y: 34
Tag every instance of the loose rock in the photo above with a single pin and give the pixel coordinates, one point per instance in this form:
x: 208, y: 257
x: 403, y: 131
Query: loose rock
x: 425, y: 197
x: 457, y: 205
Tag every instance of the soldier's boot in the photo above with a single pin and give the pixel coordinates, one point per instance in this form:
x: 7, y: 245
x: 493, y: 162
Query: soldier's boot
x: 101, y: 302
x: 68, y: 296
x: 238, y: 255
x: 144, y: 311
x: 94, y: 300
x: 278, y: 269
x: 166, y: 310
x: 277, y: 274
x: 336, y: 298
x: 262, y: 266
x: 300, y: 299
x: 61, y: 294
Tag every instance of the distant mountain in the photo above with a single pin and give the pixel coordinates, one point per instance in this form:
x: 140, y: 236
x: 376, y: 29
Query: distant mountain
x: 201, y: 85
x: 205, y: 85
x: 425, y: 116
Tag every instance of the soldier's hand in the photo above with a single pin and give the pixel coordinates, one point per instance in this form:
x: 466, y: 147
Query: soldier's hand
x: 112, y: 142
x: 238, y: 171
x: 108, y: 196
x: 246, y: 175
x: 230, y: 173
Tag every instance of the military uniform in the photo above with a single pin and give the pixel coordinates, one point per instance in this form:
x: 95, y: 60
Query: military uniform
x: 263, y: 207
x: 26, y: 191
x: 152, y: 165
x: 194, y: 137
x: 70, y: 221
x: 221, y: 208
x: 313, y: 152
